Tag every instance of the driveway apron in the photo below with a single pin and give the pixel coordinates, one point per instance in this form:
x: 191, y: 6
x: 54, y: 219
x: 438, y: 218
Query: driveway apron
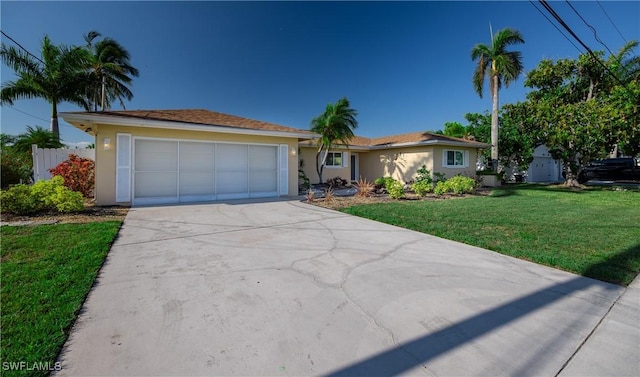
x: 283, y: 288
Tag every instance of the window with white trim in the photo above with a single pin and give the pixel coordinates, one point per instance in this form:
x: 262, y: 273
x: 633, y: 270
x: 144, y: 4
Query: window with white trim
x: 455, y: 158
x: 334, y: 159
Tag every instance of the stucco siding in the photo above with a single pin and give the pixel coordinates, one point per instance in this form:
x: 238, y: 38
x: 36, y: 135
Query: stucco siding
x: 308, y: 156
x: 399, y: 163
x: 469, y: 170
x: 106, y: 159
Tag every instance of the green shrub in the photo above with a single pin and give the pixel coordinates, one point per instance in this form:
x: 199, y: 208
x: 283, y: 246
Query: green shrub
x: 440, y: 188
x: 395, y: 189
x: 43, y: 195
x: 424, y: 175
x: 15, y: 167
x: 438, y: 177
x: 384, y: 182
x: 421, y: 188
x: 66, y: 200
x: 461, y: 184
x: 458, y: 184
x: 45, y: 191
x: 19, y: 200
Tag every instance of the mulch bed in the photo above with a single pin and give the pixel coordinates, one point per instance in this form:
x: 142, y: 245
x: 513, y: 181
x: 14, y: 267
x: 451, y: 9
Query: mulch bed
x: 339, y: 202
x: 91, y: 213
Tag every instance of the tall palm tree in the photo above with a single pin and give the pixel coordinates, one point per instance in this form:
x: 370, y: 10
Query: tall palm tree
x: 502, y: 67
x: 58, y: 77
x: 110, y: 72
x: 336, y: 123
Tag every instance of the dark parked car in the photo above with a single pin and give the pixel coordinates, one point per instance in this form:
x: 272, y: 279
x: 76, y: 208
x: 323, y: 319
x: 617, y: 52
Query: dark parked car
x: 611, y: 169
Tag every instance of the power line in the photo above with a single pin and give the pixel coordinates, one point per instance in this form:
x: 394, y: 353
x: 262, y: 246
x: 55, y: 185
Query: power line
x: 573, y: 34
x: 555, y: 26
x: 19, y: 45
x: 595, y: 34
x: 25, y: 113
x: 612, y: 23
x: 34, y: 116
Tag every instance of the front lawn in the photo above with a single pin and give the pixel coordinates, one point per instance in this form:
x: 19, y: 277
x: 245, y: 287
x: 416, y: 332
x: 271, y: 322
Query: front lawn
x: 47, y: 271
x: 590, y: 232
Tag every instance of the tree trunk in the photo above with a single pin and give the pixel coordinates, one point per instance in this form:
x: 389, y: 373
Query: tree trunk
x: 53, y: 127
x: 571, y: 179
x: 494, y: 122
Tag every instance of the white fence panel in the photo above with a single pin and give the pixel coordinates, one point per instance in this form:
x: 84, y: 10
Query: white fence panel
x: 48, y: 158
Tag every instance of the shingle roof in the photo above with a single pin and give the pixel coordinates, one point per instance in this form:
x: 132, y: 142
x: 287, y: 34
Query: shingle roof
x: 417, y: 137
x: 409, y: 139
x: 200, y: 116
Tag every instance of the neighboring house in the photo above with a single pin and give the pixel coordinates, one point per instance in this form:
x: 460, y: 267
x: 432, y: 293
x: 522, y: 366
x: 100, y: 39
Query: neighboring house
x: 397, y: 156
x: 170, y: 156
x: 543, y: 168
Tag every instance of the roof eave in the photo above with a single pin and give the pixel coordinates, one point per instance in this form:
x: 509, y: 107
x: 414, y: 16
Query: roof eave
x: 76, y: 119
x: 451, y: 143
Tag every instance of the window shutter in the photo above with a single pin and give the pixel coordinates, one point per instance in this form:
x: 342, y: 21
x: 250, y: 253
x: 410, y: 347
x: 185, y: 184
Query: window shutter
x: 345, y: 159
x: 466, y: 159
x: 284, y: 169
x: 123, y: 168
x: 444, y: 158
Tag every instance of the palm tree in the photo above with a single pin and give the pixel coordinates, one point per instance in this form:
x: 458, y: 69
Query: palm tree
x: 109, y: 72
x: 625, y: 65
x: 501, y: 66
x: 336, y: 123
x: 58, y: 77
x: 39, y: 136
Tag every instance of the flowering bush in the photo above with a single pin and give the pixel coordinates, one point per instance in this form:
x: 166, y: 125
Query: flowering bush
x: 78, y: 174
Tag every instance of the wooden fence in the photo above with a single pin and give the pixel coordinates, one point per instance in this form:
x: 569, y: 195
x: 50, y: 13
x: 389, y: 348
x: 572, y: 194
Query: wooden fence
x: 48, y: 158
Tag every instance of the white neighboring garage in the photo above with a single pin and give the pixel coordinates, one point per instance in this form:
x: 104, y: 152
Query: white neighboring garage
x: 173, y: 156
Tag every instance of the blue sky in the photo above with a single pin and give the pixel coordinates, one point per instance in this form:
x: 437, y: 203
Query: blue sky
x: 405, y: 66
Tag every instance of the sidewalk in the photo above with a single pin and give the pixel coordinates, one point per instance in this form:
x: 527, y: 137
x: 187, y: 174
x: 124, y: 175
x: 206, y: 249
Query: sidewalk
x: 613, y: 349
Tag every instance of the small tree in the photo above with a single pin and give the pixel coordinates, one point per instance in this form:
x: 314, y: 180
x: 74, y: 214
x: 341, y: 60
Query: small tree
x: 336, y: 124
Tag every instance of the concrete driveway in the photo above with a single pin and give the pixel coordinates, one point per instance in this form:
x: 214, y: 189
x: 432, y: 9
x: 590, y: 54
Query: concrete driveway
x: 283, y: 288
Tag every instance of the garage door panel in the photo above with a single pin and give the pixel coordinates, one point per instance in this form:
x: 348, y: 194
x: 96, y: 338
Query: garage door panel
x: 198, y: 157
x: 197, y: 183
x: 232, y: 182
x: 156, y: 155
x: 156, y: 184
x: 265, y: 182
x: 231, y: 157
x: 263, y: 157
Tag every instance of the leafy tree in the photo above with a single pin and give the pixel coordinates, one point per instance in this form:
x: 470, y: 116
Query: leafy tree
x: 518, y: 137
x: 455, y: 129
x: 582, y: 111
x: 39, y: 136
x: 335, y: 124
x: 58, y: 77
x: 500, y: 66
x: 110, y: 72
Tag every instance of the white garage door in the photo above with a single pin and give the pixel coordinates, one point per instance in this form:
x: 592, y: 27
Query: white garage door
x: 171, y: 171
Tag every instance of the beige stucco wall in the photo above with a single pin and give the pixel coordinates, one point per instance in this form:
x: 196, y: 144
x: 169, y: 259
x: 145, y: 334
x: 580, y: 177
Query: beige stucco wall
x: 399, y: 163
x: 308, y: 155
x: 469, y: 171
x: 106, y: 159
x: 403, y: 163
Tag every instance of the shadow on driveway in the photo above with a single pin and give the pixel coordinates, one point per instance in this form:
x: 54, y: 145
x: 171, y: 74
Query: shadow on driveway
x: 426, y: 348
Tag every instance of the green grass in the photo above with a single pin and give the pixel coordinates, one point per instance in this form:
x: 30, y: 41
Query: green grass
x: 591, y: 232
x: 47, y: 271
